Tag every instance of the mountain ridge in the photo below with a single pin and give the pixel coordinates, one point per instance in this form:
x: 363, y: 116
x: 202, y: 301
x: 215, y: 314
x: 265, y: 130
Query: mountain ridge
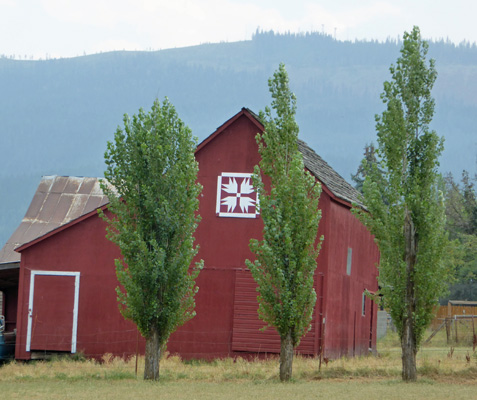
x: 58, y: 114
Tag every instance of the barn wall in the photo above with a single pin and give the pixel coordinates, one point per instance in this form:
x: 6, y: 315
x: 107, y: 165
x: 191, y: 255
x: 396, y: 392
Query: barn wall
x: 209, y: 334
x: 321, y: 275
x: 347, y: 331
x: 81, y: 248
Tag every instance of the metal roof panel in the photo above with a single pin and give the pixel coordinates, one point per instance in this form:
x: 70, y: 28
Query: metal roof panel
x: 59, y: 184
x: 62, y: 208
x: 49, y: 206
x: 36, y: 204
x: 73, y: 185
x: 87, y: 185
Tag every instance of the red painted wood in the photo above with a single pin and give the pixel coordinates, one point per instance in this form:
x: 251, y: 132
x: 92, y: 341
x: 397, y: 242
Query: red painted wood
x: 247, y: 332
x: 343, y: 293
x: 208, y: 334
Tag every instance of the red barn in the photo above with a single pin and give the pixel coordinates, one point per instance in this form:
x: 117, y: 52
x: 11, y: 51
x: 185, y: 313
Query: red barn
x: 64, y: 296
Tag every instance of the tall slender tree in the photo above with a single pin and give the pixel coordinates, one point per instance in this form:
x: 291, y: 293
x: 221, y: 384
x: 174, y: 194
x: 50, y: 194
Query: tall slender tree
x: 154, y: 201
x: 406, y: 209
x: 286, y: 257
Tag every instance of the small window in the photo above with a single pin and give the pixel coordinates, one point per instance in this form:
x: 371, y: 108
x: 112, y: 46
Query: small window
x: 363, y: 304
x: 348, y: 262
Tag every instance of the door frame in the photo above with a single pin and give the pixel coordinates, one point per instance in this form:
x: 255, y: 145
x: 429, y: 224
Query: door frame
x: 76, y: 275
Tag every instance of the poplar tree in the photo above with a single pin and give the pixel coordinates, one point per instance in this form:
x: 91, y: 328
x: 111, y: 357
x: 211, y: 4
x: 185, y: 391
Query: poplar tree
x: 154, y: 201
x: 406, y: 209
x: 286, y: 257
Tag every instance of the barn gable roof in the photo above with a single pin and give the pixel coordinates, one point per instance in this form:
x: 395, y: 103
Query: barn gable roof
x: 61, y: 200
x: 57, y: 201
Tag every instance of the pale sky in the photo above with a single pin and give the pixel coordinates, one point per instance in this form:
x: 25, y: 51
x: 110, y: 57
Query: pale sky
x: 64, y: 28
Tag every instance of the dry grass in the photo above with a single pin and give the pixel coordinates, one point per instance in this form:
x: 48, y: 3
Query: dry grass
x: 433, y: 363
x: 440, y: 377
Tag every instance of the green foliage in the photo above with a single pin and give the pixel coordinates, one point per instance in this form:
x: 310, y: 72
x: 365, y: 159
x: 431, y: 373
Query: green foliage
x: 461, y: 224
x: 365, y: 165
x: 463, y: 256
x: 154, y: 200
x: 406, y: 209
x: 461, y: 206
x: 467, y: 271
x: 286, y: 257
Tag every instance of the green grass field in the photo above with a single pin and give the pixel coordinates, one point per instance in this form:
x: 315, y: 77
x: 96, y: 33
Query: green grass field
x: 442, y: 375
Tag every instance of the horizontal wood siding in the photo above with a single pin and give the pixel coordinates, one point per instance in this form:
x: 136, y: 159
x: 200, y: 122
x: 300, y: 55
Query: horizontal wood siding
x: 247, y: 335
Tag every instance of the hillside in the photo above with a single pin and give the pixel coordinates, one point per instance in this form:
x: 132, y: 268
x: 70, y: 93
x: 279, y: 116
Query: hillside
x: 57, y: 115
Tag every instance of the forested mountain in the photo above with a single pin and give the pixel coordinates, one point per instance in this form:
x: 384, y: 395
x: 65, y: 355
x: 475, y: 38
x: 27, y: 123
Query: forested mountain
x: 56, y: 115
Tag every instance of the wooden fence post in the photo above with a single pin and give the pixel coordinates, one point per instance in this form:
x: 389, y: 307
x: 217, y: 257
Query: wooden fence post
x: 448, y: 325
x: 456, y: 334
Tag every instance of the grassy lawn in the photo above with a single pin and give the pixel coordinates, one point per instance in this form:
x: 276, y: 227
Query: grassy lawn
x: 441, y: 376
x: 131, y: 389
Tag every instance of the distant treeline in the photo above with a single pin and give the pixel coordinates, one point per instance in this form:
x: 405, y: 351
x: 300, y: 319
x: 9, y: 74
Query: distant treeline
x: 58, y: 114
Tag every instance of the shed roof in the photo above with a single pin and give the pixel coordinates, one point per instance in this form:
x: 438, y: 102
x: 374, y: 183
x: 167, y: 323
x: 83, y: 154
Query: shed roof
x: 57, y: 201
x: 463, y: 303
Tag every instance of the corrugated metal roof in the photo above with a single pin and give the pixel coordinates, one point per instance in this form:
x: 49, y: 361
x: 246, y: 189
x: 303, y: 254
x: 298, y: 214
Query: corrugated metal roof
x: 57, y: 201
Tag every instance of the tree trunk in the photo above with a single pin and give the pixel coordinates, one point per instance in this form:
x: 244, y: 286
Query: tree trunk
x: 286, y: 357
x: 408, y: 336
x: 152, y: 356
x: 409, y: 351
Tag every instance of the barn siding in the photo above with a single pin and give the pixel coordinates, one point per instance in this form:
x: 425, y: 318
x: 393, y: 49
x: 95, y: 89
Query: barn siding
x: 247, y: 332
x: 347, y: 332
x: 209, y: 334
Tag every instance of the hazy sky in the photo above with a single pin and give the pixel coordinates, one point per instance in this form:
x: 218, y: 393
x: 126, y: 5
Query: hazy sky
x: 64, y: 28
